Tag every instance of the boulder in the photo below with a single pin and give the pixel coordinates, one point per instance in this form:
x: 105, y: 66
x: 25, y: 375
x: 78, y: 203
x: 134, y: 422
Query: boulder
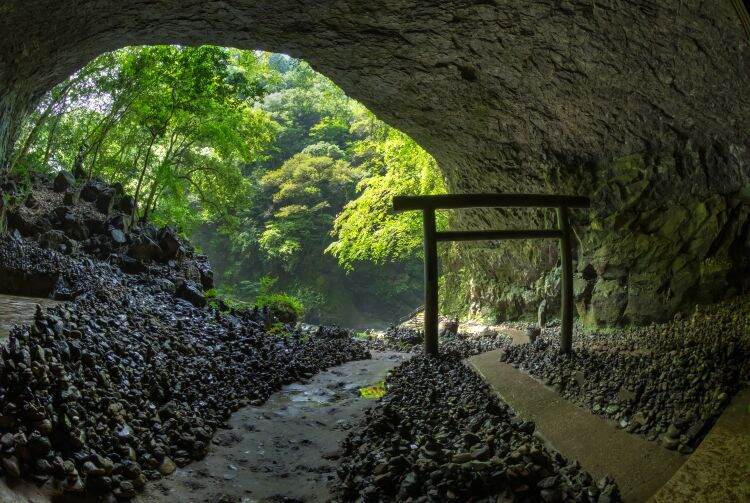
x: 19, y: 218
x: 105, y: 201
x: 132, y: 266
x: 168, y: 243
x: 56, y: 240
x: 96, y: 226
x: 63, y: 181
x: 120, y: 222
x: 72, y: 196
x: 190, y: 292
x: 207, y: 277
x: 608, y: 301
x: 126, y: 204
x: 118, y: 236
x: 92, y: 190
x: 145, y: 249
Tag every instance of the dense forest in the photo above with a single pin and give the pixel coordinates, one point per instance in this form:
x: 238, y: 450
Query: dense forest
x: 279, y: 177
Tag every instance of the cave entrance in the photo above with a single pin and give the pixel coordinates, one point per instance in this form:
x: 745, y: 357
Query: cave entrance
x: 268, y: 166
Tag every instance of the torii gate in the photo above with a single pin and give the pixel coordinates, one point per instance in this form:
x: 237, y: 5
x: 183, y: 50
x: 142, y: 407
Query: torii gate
x: 428, y: 205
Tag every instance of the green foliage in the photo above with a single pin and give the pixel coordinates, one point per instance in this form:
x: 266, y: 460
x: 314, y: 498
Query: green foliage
x: 284, y: 308
x: 173, y: 124
x: 329, y: 150
x: 367, y: 229
x: 373, y: 392
x: 263, y: 162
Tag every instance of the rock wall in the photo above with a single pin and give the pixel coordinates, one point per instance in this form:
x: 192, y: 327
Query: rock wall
x: 642, y: 104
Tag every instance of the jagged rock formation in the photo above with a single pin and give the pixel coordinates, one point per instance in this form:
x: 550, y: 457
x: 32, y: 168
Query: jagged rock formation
x: 56, y: 227
x: 644, y: 105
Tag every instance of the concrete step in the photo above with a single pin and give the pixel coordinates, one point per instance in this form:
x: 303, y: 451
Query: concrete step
x: 719, y: 469
x: 640, y: 467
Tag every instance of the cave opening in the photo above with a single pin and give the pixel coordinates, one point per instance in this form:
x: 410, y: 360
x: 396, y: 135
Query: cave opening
x: 149, y: 371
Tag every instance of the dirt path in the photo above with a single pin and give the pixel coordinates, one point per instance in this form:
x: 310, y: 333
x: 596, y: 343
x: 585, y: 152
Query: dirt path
x: 284, y: 450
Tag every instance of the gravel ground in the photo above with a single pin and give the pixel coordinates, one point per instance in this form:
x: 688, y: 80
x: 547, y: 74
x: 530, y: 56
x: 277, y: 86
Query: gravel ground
x: 398, y: 338
x: 440, y: 434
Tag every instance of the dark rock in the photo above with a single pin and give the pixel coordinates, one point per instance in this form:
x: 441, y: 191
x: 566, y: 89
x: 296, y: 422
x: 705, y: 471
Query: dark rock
x: 120, y: 222
x: 64, y: 181
x: 189, y: 291
x: 105, y: 201
x: 126, y: 204
x: 132, y: 266
x: 75, y: 229
x: 92, y: 190
x: 25, y: 223
x: 56, y: 240
x: 439, y: 399
x: 145, y: 249
x: 168, y: 243
x: 72, y: 197
x: 96, y: 226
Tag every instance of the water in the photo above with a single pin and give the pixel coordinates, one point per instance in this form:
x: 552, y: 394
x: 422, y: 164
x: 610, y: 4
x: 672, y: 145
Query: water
x: 15, y: 309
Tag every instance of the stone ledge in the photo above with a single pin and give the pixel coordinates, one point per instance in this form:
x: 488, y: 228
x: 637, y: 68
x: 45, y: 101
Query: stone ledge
x: 719, y: 469
x: 639, y: 467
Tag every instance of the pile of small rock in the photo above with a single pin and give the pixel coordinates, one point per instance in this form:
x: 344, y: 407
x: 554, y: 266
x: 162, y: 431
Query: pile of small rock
x: 132, y: 377
x: 439, y: 434
x: 667, y: 382
x: 410, y: 340
x: 119, y: 387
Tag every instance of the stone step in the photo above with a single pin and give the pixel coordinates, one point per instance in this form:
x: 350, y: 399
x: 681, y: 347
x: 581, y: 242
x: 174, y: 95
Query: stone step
x: 640, y: 467
x: 719, y: 469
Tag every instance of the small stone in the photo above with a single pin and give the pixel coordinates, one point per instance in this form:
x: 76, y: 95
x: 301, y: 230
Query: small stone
x: 118, y: 236
x: 167, y: 466
x: 462, y: 457
x: 11, y: 467
x: 612, y: 409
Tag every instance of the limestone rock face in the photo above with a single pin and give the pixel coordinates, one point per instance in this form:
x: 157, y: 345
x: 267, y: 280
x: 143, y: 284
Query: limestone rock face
x: 642, y: 105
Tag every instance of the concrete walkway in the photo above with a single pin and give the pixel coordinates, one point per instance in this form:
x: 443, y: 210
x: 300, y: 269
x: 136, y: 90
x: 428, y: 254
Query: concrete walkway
x: 640, y: 467
x: 719, y: 470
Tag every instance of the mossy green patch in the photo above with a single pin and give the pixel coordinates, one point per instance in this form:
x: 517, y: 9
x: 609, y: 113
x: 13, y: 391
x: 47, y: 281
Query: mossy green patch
x: 373, y: 392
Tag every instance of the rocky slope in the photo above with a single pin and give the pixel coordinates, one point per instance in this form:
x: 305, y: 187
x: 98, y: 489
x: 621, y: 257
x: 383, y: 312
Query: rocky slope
x: 134, y: 374
x: 67, y: 236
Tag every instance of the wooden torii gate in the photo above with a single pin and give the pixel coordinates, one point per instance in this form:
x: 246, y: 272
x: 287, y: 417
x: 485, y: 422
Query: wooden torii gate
x: 428, y: 205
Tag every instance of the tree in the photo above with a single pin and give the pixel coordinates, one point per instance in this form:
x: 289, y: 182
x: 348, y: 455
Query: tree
x: 367, y: 229
x: 174, y: 124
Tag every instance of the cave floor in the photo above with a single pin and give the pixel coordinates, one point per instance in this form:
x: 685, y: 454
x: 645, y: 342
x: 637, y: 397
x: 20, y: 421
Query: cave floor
x: 283, y: 450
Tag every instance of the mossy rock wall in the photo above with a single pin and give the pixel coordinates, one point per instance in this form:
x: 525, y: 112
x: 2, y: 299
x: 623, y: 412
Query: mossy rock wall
x: 666, y: 231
